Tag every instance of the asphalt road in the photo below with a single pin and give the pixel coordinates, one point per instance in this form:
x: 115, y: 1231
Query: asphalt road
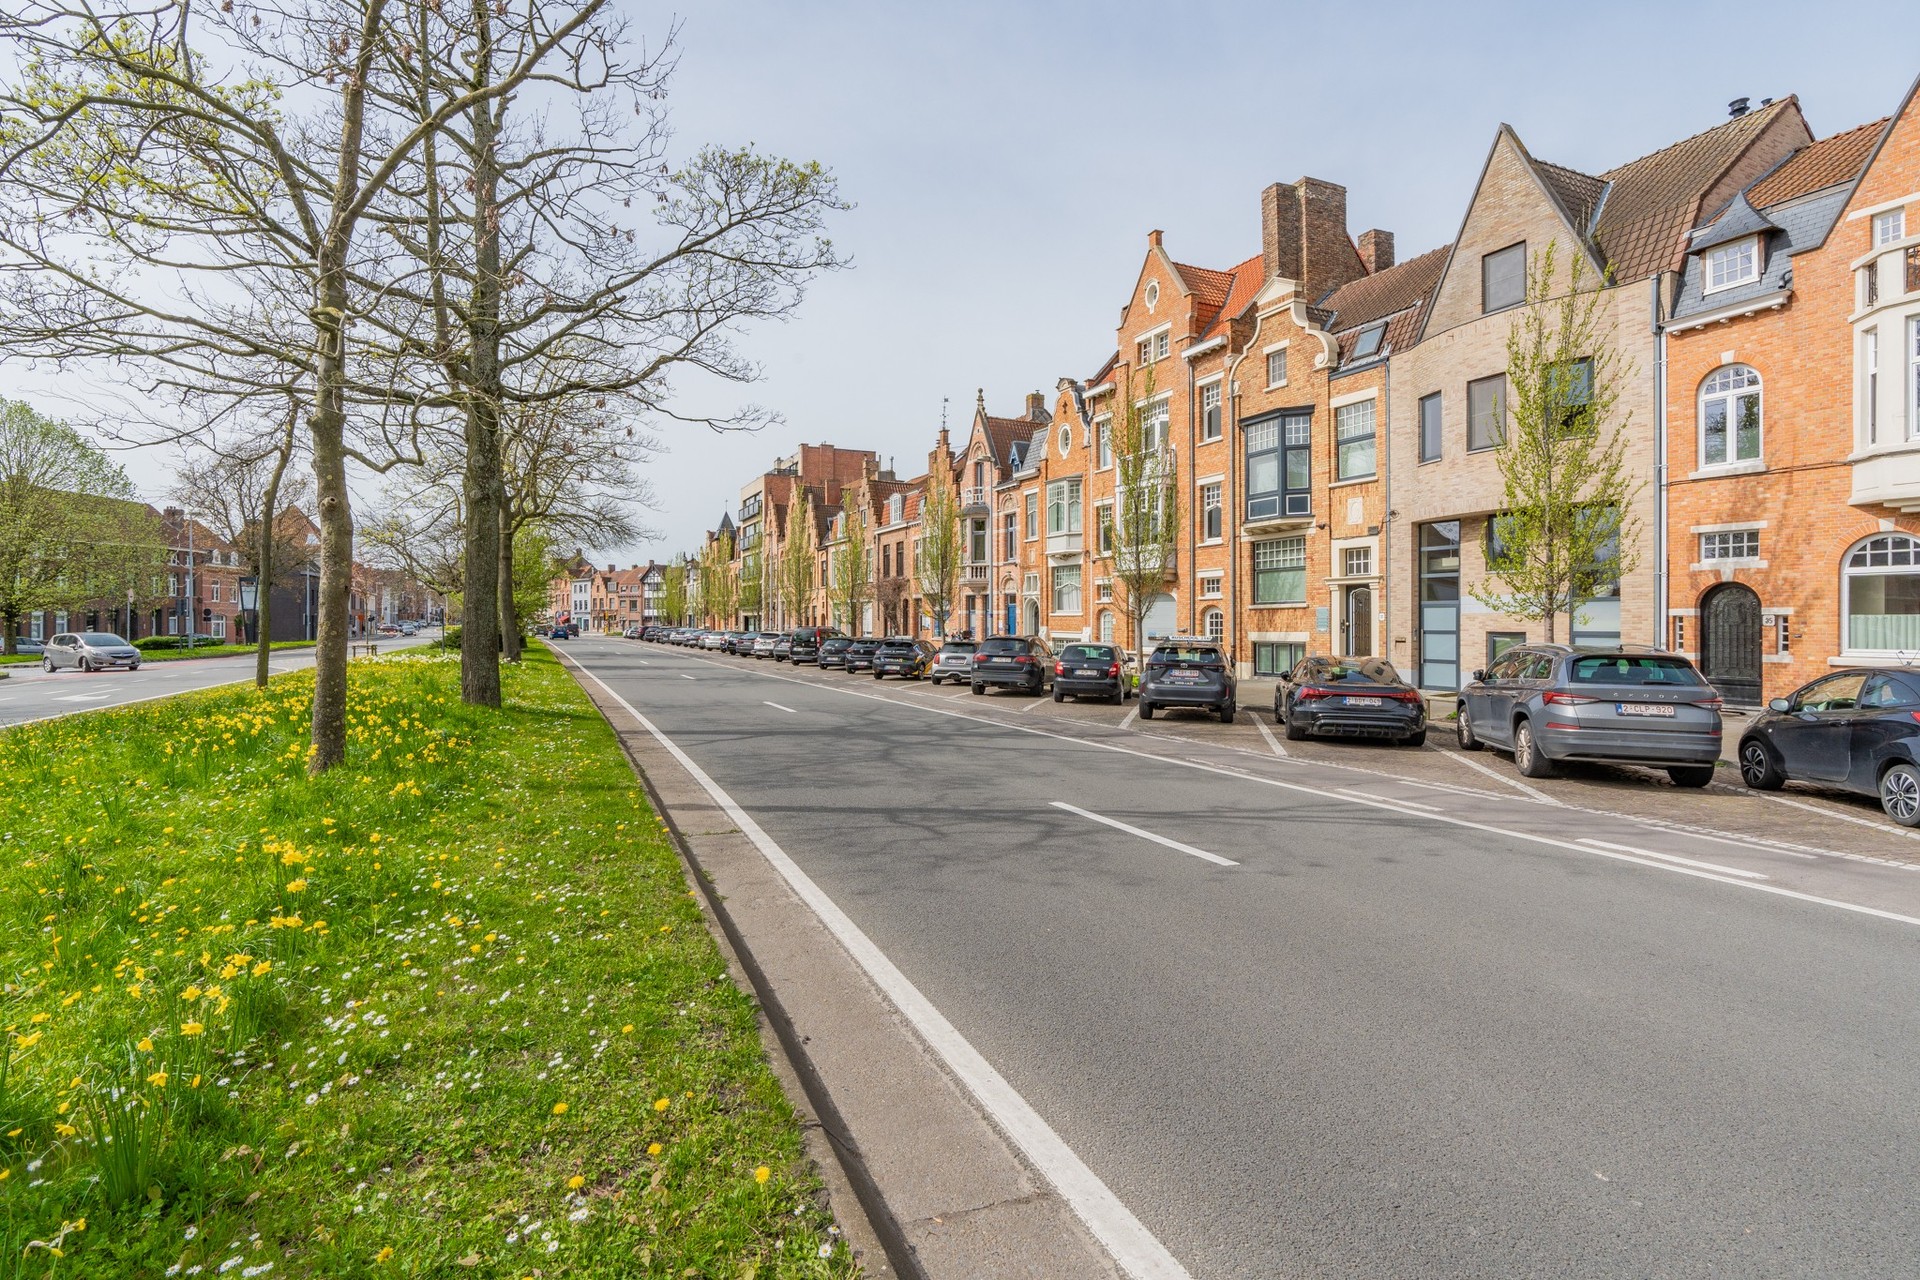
x: 28, y: 693
x: 1412, y: 1030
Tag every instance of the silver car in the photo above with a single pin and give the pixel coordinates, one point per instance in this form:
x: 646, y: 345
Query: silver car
x: 1552, y: 702
x: 89, y: 651
x: 955, y: 662
x: 762, y: 646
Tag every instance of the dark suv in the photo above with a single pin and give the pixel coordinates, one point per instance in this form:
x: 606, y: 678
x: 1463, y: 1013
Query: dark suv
x: 859, y: 655
x: 1188, y: 672
x: 833, y: 652
x: 805, y: 645
x: 903, y: 656
x: 1090, y: 671
x: 1024, y: 662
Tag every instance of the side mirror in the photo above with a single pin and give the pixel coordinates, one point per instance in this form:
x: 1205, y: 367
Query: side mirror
x: 1779, y: 704
x: 1477, y: 676
x: 1286, y: 677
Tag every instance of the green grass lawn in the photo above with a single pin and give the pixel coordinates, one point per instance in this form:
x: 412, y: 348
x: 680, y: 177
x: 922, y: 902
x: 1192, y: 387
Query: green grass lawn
x: 218, y: 651
x: 448, y: 1011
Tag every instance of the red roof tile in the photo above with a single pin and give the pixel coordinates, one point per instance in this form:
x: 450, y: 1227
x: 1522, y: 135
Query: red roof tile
x: 1821, y: 164
x: 1243, y: 283
x: 1383, y: 293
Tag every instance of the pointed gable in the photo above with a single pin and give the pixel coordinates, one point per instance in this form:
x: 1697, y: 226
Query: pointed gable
x: 1892, y: 170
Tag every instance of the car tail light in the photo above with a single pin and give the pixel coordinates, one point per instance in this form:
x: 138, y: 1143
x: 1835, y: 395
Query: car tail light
x: 1059, y: 668
x: 1114, y: 670
x: 1024, y: 659
x: 1404, y: 695
x: 1711, y: 704
x: 1554, y: 698
x: 1310, y: 693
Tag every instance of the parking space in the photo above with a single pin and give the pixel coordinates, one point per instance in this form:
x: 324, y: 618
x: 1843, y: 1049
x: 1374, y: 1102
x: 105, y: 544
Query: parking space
x: 1800, y: 819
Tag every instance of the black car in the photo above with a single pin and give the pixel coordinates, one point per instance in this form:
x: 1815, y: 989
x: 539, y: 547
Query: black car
x: 903, y: 656
x: 783, y: 647
x: 833, y: 652
x: 1188, y: 672
x: 804, y: 644
x: 1090, y: 671
x: 1024, y: 662
x: 859, y: 655
x: 1357, y: 697
x: 1857, y: 731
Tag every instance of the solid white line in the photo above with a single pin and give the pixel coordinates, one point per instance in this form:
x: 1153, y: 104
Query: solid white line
x: 1368, y: 795
x: 1118, y: 825
x: 777, y: 707
x: 1130, y: 716
x: 1471, y: 763
x: 1751, y: 845
x: 1271, y: 740
x: 1887, y: 827
x: 1447, y: 818
x: 1133, y: 1247
x: 685, y: 676
x: 1674, y: 857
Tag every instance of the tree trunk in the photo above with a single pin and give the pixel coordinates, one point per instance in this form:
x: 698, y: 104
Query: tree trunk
x: 484, y: 482
x: 509, y: 622
x: 263, y: 567
x: 8, y: 645
x: 328, y: 428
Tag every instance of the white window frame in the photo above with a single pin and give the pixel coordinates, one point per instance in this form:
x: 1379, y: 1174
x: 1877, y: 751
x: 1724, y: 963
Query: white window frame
x: 1213, y: 389
x: 1103, y: 528
x: 1870, y: 362
x: 1154, y: 345
x: 1913, y: 377
x: 219, y: 627
x: 1722, y: 538
x: 1103, y: 442
x: 1079, y: 604
x: 1732, y: 396
x: 1889, y: 225
x: 1345, y: 416
x: 1211, y: 494
x: 1103, y: 590
x: 1156, y: 413
x: 1745, y: 250
x: 1211, y: 587
x: 1069, y: 497
x: 1346, y: 561
x: 1030, y: 513
x: 1278, y: 349
x: 1848, y: 574
x: 1213, y: 625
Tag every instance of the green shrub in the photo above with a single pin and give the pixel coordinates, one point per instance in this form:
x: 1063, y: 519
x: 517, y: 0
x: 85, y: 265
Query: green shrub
x: 155, y: 644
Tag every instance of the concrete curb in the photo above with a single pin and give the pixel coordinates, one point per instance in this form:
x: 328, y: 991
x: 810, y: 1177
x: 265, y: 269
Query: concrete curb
x: 921, y: 1182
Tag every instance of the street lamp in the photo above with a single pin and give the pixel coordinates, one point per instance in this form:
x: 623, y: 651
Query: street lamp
x: 249, y: 601
x: 131, y: 629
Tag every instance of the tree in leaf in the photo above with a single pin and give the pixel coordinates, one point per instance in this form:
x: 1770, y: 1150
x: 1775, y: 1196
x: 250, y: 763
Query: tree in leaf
x: 1146, y: 512
x: 852, y: 585
x: 1566, y: 533
x: 942, y: 548
x: 798, y: 575
x: 674, y: 591
x: 719, y: 588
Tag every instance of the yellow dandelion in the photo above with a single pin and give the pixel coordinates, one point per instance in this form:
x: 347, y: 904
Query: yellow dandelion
x: 386, y: 1251
x: 627, y: 1030
x: 576, y: 1182
x: 28, y: 1041
x: 661, y: 1104
x: 191, y: 1028
x: 762, y: 1174
x: 559, y: 1108
x: 653, y: 1148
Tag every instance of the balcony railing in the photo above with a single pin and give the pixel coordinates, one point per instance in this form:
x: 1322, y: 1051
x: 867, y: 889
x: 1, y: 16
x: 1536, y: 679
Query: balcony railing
x: 1913, y: 269
x: 975, y: 572
x: 973, y: 496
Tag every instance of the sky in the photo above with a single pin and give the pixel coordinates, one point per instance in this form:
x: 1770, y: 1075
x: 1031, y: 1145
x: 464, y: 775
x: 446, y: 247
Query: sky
x: 1007, y: 161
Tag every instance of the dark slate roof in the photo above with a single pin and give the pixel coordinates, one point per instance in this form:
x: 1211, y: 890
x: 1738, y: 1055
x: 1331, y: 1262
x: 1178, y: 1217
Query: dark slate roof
x: 1802, y: 224
x: 1820, y: 164
x: 1736, y: 222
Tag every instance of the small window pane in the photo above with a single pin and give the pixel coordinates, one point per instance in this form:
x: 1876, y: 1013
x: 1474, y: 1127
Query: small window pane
x: 1276, y: 367
x: 1486, y: 411
x: 1430, y: 427
x: 1503, y: 278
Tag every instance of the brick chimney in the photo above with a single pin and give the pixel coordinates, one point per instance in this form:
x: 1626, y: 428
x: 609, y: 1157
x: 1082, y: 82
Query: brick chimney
x: 1280, y: 231
x: 1037, y: 407
x: 1326, y: 250
x: 1153, y: 239
x: 1376, y: 250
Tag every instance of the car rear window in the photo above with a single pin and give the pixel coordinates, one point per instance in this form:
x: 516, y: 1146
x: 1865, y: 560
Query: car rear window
x: 1633, y: 668
x: 897, y: 646
x: 958, y: 648
x: 1370, y: 671
x: 1088, y: 653
x: 1184, y: 655
x: 1004, y: 645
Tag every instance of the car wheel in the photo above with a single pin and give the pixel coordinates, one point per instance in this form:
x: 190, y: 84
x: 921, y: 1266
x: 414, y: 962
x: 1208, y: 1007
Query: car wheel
x: 1900, y: 794
x: 1295, y: 732
x: 48, y: 664
x: 1146, y: 711
x: 936, y: 681
x: 1057, y: 695
x: 1119, y: 697
x: 1526, y: 753
x: 1227, y: 713
x: 876, y: 675
x: 1690, y: 775
x: 133, y: 666
x: 1463, y: 729
x: 1418, y: 738
x: 980, y: 690
x: 1758, y: 768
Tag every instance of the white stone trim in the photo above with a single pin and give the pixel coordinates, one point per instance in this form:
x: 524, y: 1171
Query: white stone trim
x: 1884, y: 207
x: 1740, y: 527
x: 1353, y: 397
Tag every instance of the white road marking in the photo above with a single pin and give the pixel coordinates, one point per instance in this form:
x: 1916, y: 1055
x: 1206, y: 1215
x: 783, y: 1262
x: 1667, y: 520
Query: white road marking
x: 1130, y: 716
x: 1271, y: 740
x: 1887, y: 827
x: 964, y: 693
x: 1471, y: 763
x: 1368, y: 795
x: 1144, y: 834
x: 1038, y: 700
x: 83, y: 697
x: 1132, y: 1246
x: 777, y: 707
x: 1674, y: 857
x: 685, y: 676
x: 1768, y: 846
x: 1449, y: 819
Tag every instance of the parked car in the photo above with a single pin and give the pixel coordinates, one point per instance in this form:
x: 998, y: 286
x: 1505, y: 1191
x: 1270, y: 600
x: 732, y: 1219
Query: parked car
x: 859, y: 655
x: 1351, y: 697
x: 1856, y: 731
x: 1092, y: 671
x: 903, y: 656
x: 1023, y: 662
x: 388, y: 629
x: 833, y: 652
x: 713, y: 640
x: 763, y: 644
x: 406, y: 628
x: 737, y: 642
x: 783, y: 646
x: 89, y: 651
x: 805, y: 646
x: 1189, y: 672
x: 1552, y: 702
x: 28, y: 646
x: 631, y: 633
x: 954, y: 661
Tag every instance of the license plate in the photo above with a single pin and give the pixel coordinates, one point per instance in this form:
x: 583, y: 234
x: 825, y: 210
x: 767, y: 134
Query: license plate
x: 1000, y: 661
x: 1643, y: 708
x: 1365, y: 702
x: 1183, y: 679
x: 1086, y: 671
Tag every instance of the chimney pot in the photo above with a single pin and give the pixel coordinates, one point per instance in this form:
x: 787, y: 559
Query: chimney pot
x: 1376, y: 250
x: 1738, y: 107
x: 1153, y: 238
x: 1037, y: 406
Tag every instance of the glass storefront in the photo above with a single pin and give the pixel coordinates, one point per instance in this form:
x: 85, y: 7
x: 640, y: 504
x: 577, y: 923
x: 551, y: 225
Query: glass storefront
x: 1440, y: 605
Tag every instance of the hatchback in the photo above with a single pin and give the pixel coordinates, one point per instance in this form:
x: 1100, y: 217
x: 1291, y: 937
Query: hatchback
x: 762, y: 646
x: 1361, y: 697
x: 859, y: 655
x: 806, y: 643
x: 89, y: 651
x: 1024, y: 662
x: 903, y: 656
x: 833, y: 652
x: 954, y: 661
x: 1858, y: 731
x: 1552, y: 702
x: 1091, y: 671
x: 783, y: 646
x: 1188, y: 672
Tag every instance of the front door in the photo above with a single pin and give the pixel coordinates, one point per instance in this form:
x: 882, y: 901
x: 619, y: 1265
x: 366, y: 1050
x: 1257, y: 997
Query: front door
x: 1730, y: 642
x: 1359, y: 622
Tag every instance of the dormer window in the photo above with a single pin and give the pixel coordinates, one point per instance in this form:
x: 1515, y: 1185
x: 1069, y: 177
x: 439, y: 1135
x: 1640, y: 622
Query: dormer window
x: 1733, y: 264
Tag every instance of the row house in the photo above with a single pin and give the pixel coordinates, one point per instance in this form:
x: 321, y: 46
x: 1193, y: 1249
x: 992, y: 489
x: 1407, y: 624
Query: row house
x: 1792, y: 419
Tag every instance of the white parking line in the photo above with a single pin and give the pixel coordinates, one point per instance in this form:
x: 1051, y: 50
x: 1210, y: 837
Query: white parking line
x: 685, y: 676
x: 1674, y: 857
x: 1038, y: 700
x: 1132, y: 1246
x: 1130, y: 716
x: 777, y: 707
x: 1131, y: 830
x: 1471, y: 763
x: 1271, y: 740
x: 1889, y: 828
x: 1368, y: 795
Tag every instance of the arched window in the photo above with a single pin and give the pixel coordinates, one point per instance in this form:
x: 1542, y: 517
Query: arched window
x: 1215, y: 624
x: 1106, y: 627
x: 1730, y: 416
x: 1880, y: 595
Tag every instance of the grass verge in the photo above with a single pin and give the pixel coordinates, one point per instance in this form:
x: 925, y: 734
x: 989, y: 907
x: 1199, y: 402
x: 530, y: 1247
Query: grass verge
x: 219, y: 651
x: 449, y: 1010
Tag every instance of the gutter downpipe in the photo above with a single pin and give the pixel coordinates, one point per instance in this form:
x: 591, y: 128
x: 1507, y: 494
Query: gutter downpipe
x: 1230, y: 493
x: 1385, y: 606
x: 1661, y: 586
x: 1193, y: 546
